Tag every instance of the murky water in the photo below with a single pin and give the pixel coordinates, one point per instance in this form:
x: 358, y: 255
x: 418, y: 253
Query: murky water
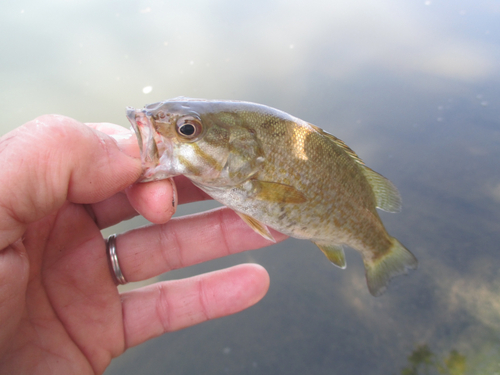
x: 412, y: 87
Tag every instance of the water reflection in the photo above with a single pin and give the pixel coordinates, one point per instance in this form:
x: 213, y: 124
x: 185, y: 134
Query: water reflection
x: 423, y: 361
x: 481, y: 361
x: 412, y: 87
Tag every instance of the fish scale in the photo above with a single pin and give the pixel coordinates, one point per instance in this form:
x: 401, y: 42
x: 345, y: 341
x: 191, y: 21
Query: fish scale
x: 276, y: 171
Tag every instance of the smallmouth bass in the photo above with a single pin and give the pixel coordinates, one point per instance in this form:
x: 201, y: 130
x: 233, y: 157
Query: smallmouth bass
x: 275, y: 170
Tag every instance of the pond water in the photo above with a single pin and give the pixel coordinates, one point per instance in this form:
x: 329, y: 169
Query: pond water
x: 412, y: 87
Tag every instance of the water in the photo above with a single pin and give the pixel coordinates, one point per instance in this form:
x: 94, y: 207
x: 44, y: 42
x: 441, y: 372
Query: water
x: 412, y: 87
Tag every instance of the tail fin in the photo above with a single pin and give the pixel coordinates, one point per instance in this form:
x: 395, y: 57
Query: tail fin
x: 395, y: 262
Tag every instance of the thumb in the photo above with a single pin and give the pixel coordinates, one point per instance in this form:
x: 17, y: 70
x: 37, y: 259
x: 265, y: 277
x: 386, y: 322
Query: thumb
x: 53, y: 159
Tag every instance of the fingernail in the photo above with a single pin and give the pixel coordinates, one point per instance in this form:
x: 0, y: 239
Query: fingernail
x: 174, y: 195
x: 127, y: 143
x: 122, y: 136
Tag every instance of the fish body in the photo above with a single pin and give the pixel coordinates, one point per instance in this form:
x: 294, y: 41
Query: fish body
x: 276, y: 171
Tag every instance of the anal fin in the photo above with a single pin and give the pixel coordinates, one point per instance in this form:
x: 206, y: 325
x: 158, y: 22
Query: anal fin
x: 334, y: 253
x: 257, y: 226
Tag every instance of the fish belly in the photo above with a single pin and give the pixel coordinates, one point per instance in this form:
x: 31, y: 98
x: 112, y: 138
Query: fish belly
x: 315, y: 221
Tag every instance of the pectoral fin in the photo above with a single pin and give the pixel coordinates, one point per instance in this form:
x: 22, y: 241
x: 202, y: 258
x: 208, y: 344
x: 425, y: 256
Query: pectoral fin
x: 280, y: 193
x: 334, y: 253
x: 257, y: 226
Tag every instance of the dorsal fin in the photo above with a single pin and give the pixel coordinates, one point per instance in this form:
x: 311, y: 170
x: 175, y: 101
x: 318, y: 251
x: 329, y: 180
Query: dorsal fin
x: 386, y: 194
x: 339, y: 142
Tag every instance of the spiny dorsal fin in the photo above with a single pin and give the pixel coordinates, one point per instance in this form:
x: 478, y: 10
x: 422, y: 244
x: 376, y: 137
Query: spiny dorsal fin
x: 339, y: 142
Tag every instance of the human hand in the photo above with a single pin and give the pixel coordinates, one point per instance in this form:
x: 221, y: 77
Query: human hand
x: 61, y: 182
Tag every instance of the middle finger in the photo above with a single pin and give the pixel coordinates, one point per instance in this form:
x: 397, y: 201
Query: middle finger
x: 156, y: 201
x: 147, y: 252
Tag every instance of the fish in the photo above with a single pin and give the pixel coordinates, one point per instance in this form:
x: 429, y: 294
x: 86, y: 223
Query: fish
x: 276, y: 171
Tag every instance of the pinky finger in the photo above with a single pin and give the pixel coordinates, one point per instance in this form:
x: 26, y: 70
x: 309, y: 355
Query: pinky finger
x: 172, y: 305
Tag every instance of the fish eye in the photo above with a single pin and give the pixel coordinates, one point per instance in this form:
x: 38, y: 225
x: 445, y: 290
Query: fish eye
x: 189, y: 127
x: 187, y: 130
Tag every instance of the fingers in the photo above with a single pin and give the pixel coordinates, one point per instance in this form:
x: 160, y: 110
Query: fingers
x: 112, y: 211
x: 52, y: 159
x: 126, y: 139
x: 156, y: 201
x: 168, y: 306
x: 127, y: 142
x: 188, y: 192
x: 14, y: 269
x: 147, y: 252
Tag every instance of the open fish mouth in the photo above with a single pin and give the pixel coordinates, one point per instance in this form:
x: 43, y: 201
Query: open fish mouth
x: 155, y: 153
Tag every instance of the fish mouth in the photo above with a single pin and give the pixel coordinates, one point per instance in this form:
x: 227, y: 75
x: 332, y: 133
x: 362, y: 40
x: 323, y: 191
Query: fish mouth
x: 155, y: 155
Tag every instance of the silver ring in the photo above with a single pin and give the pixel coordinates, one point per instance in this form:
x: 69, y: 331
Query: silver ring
x: 113, y: 260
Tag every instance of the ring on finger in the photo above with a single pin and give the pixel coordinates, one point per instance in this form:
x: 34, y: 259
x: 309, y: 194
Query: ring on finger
x: 116, y: 271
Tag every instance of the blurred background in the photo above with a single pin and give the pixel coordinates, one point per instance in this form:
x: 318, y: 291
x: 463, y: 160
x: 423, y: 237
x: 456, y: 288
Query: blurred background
x: 411, y: 86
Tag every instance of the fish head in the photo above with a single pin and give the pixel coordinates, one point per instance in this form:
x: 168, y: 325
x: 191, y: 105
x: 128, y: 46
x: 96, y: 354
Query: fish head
x: 195, y: 138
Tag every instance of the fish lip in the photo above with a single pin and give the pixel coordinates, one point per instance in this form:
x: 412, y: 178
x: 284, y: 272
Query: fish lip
x: 131, y: 115
x: 156, y: 154
x: 145, y: 136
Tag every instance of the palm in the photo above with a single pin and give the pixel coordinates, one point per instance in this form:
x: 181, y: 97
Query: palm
x: 72, y: 297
